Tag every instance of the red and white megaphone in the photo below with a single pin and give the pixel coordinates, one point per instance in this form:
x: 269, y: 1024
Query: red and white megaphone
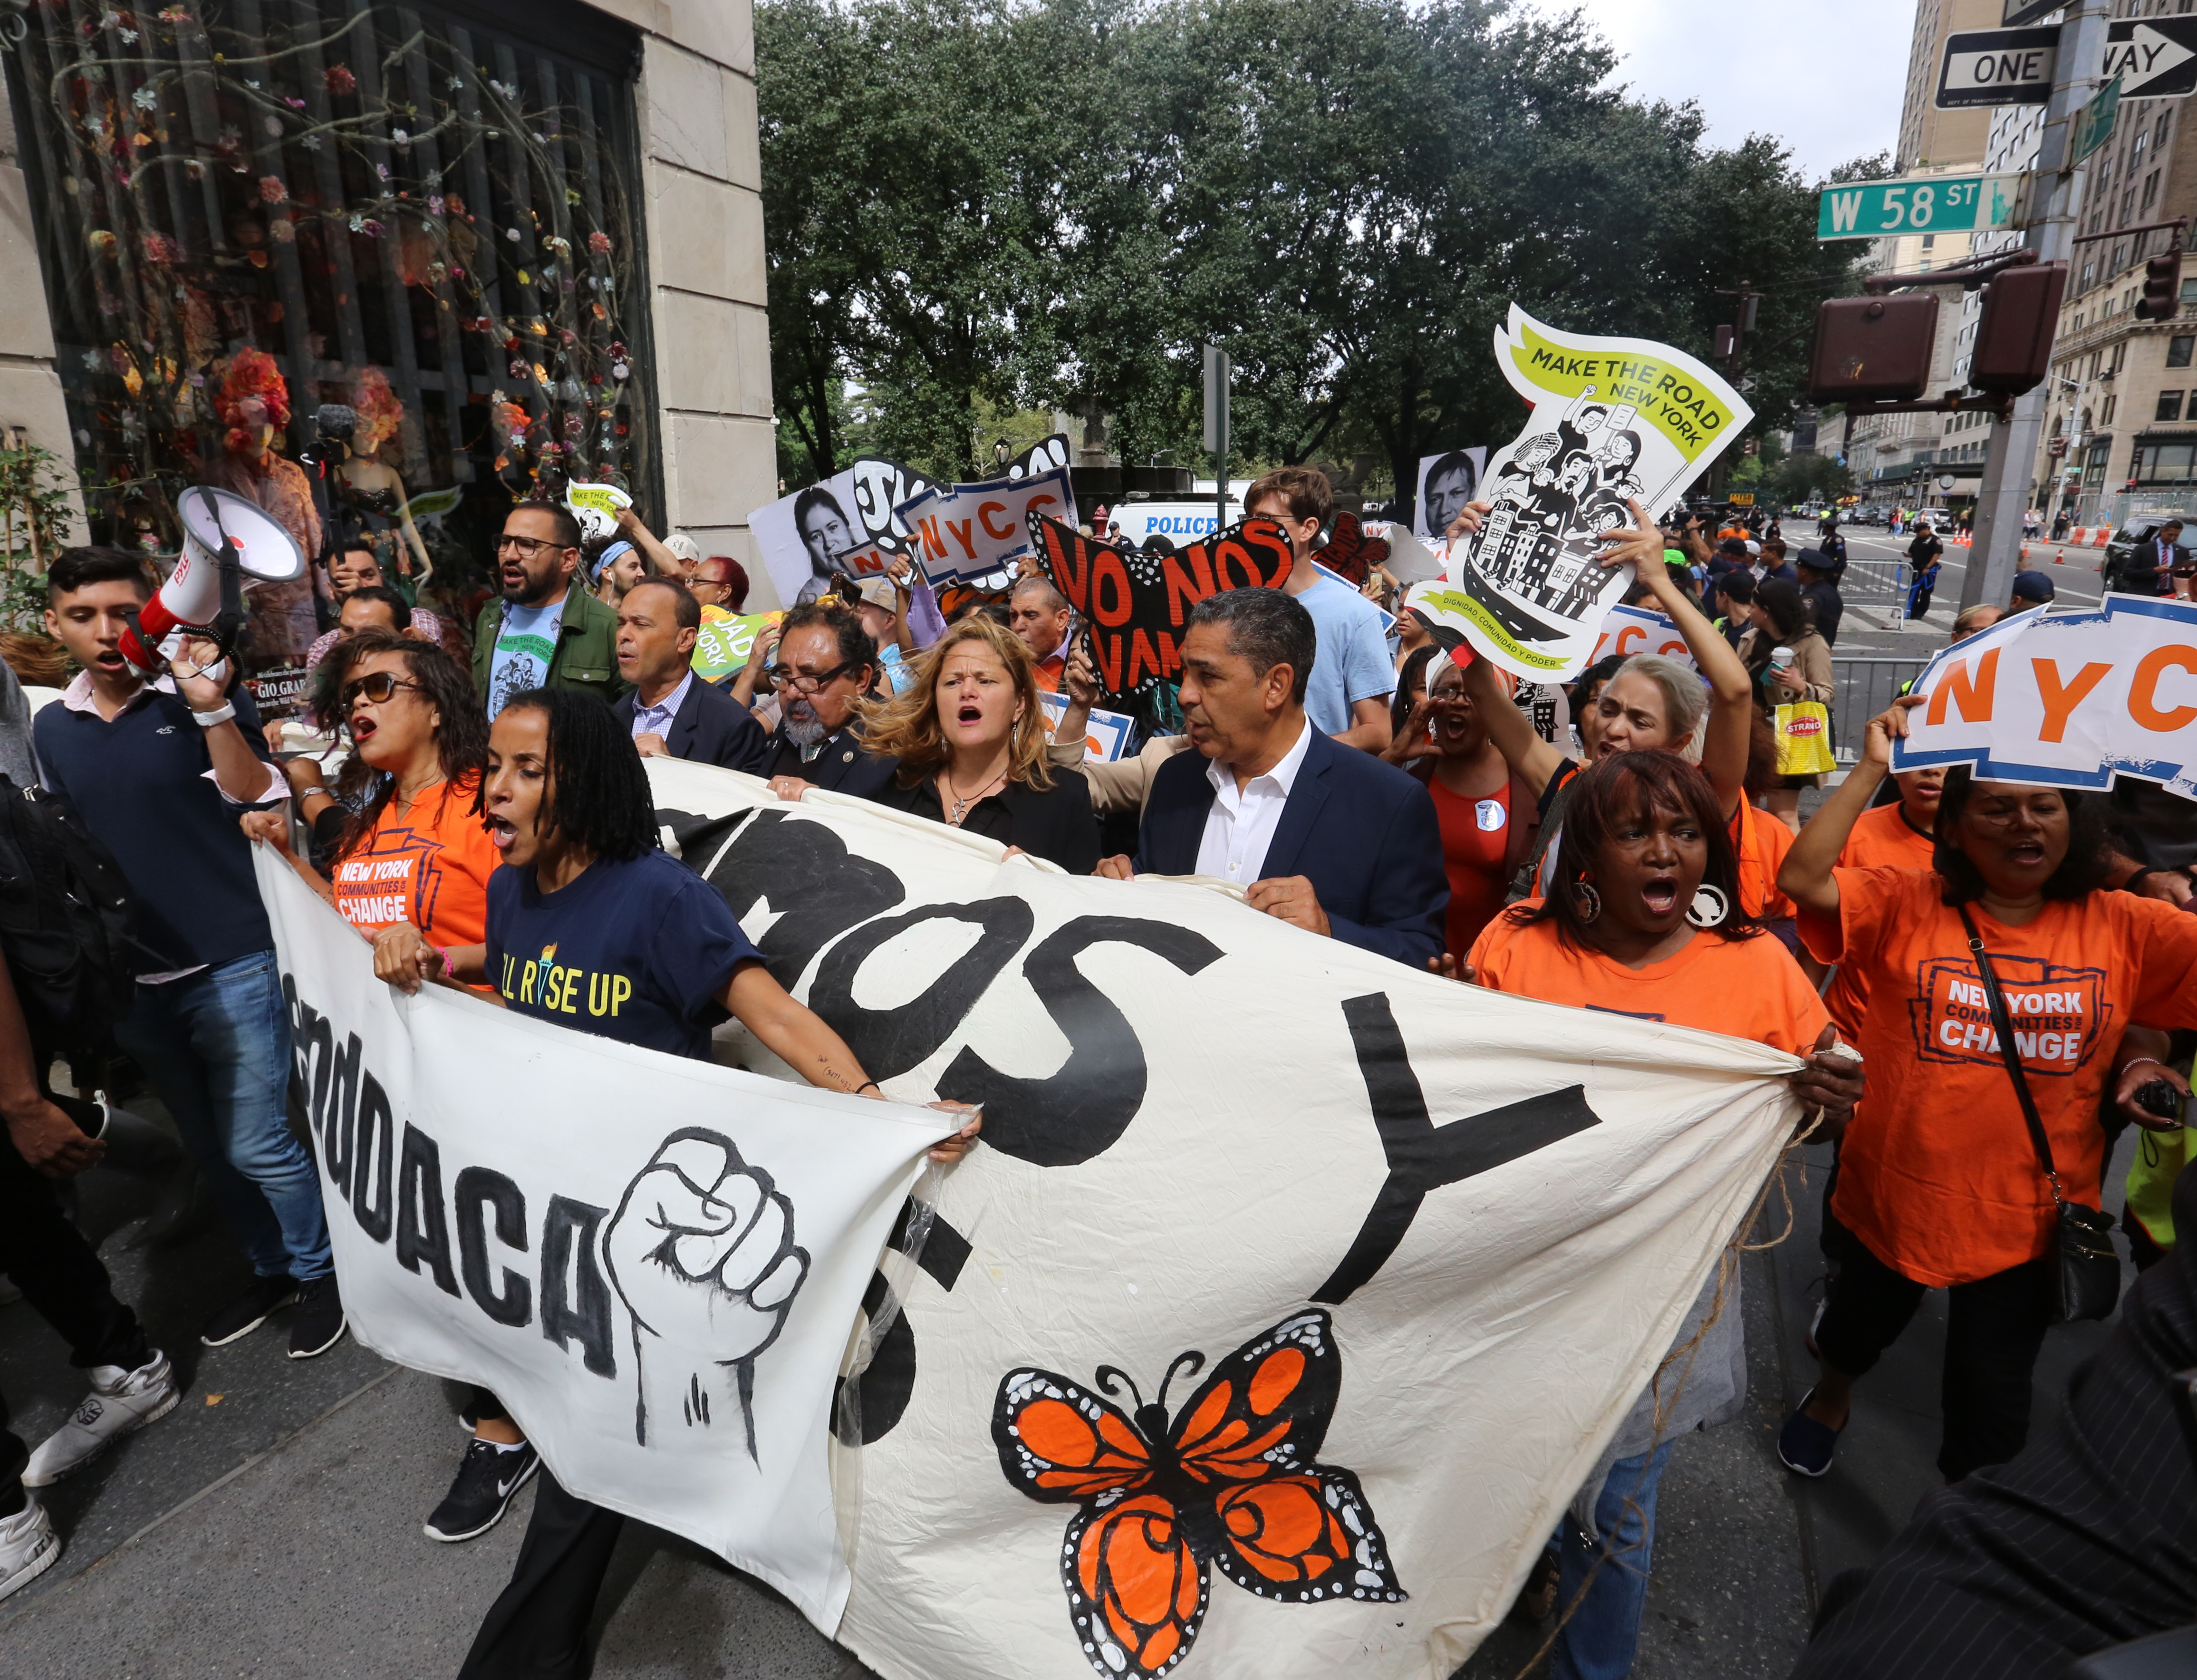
x: 226, y: 539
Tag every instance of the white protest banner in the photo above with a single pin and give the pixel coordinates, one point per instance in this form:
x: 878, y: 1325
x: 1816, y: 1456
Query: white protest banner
x: 1627, y: 630
x: 2067, y: 699
x: 1446, y: 482
x: 800, y: 536
x: 1615, y: 420
x: 965, y: 531
x: 653, y: 1262
x: 1418, y: 1245
x: 1105, y: 738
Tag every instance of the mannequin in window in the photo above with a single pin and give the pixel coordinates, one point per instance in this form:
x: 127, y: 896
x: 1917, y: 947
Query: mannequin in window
x: 254, y: 406
x: 376, y: 490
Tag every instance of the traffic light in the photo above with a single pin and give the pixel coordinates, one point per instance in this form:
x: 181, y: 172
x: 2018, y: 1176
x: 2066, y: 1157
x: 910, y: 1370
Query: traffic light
x: 2014, y: 334
x: 1724, y: 340
x: 1873, y: 350
x: 2162, y: 286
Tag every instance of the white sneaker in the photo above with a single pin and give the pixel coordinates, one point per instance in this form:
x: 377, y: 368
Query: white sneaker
x: 119, y: 1401
x: 28, y: 1547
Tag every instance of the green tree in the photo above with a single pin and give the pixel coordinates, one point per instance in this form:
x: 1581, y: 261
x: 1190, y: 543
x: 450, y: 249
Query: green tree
x: 1800, y: 478
x: 995, y: 204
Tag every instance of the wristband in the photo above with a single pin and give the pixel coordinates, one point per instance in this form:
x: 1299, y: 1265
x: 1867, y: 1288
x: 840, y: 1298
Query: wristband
x: 869, y: 1085
x: 213, y: 720
x: 443, y: 952
x: 2138, y: 1061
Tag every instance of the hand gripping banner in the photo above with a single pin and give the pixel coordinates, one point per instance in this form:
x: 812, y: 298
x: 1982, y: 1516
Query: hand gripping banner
x: 1286, y: 1303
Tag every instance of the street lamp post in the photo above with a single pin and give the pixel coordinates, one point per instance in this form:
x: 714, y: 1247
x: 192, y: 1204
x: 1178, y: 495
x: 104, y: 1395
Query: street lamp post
x: 2003, y: 496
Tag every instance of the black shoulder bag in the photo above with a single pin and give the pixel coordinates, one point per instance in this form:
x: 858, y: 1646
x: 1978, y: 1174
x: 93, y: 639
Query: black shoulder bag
x: 2089, y: 1271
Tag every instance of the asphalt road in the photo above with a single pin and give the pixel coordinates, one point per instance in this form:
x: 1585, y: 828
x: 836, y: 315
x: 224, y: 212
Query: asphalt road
x: 1875, y: 589
x: 270, y: 1526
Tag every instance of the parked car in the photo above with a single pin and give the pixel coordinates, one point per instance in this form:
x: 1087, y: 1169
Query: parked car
x: 2124, y: 543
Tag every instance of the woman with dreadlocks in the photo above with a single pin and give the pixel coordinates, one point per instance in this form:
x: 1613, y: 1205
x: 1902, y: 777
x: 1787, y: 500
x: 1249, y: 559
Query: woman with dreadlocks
x: 591, y: 926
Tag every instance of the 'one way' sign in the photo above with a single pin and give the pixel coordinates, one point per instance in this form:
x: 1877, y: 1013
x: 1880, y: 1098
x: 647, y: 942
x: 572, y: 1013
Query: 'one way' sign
x: 2155, y: 60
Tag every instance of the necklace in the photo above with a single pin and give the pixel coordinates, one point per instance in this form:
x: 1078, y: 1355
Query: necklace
x: 962, y: 803
x: 408, y: 800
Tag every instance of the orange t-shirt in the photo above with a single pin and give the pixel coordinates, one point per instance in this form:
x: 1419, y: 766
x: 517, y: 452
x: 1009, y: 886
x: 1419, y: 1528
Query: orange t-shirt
x: 1746, y: 988
x: 1936, y: 1172
x: 1761, y: 841
x: 1881, y: 839
x: 1475, y: 834
x: 429, y: 867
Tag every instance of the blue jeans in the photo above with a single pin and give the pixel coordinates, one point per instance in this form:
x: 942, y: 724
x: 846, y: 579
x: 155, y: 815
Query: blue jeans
x: 1597, y: 1642
x: 216, y: 1045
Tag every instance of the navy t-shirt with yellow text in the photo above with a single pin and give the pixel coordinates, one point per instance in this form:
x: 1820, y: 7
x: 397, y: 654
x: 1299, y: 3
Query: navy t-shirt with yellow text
x: 640, y: 951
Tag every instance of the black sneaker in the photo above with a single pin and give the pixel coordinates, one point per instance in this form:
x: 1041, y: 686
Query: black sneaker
x: 249, y: 1311
x: 319, y: 1320
x: 488, y: 1475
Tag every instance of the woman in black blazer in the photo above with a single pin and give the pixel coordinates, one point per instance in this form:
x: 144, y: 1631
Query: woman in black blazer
x: 969, y: 736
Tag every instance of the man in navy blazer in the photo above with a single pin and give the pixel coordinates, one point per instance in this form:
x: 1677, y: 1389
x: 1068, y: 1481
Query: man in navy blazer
x: 671, y: 712
x: 1320, y: 834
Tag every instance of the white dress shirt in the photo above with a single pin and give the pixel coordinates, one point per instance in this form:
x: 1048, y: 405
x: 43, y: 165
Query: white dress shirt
x: 657, y: 720
x: 1240, y: 827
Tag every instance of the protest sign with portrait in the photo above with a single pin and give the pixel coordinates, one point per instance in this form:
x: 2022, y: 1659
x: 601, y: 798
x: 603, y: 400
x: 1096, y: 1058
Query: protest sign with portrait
x: 802, y: 536
x: 1615, y: 420
x: 1446, y: 482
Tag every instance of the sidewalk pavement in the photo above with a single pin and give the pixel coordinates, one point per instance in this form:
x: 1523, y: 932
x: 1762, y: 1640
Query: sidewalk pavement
x: 270, y: 1526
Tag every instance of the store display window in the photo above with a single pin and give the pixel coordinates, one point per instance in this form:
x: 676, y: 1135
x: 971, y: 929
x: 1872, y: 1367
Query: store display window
x: 376, y: 267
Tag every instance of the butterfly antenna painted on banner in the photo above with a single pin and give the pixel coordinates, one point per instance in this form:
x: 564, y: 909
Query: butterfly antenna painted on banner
x: 1231, y: 1485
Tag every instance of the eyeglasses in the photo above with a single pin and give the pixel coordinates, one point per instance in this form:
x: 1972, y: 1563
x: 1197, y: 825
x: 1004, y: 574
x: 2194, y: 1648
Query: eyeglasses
x: 378, y: 687
x: 528, y: 547
x: 805, y: 682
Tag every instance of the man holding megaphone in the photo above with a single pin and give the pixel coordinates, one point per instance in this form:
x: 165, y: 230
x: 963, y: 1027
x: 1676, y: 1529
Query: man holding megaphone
x: 157, y: 755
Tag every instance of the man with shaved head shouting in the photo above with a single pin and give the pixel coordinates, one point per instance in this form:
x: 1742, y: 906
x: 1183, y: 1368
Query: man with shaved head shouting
x: 1040, y: 616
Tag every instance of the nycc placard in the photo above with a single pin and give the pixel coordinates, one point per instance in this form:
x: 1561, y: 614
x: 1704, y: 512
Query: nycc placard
x: 2071, y: 698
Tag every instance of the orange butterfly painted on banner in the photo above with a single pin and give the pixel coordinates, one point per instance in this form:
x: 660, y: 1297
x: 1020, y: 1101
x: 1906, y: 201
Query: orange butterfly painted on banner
x: 1231, y: 1486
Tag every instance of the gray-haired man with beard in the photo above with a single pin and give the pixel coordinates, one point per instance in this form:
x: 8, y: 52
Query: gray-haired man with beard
x: 825, y: 661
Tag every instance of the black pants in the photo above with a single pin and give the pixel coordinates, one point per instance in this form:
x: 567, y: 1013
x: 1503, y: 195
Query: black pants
x: 536, y: 1628
x: 59, y: 1274
x: 2084, y: 1540
x: 1995, y: 1327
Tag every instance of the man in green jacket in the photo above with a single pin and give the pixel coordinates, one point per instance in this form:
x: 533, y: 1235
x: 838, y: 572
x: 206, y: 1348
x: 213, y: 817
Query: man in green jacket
x: 543, y: 633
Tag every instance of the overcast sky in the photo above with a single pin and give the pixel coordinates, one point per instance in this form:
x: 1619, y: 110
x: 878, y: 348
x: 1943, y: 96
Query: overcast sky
x: 1823, y: 76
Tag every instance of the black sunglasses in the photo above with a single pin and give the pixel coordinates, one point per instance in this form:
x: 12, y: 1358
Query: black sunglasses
x: 378, y: 687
